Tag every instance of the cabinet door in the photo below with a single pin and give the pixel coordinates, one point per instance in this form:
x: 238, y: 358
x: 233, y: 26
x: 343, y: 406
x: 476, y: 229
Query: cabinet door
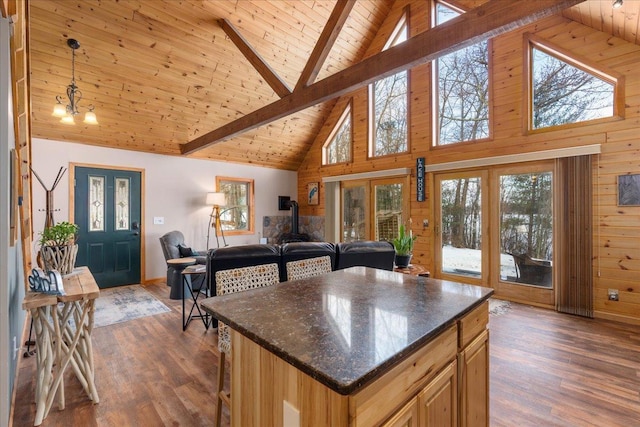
x: 438, y: 401
x: 473, y: 365
x: 405, y: 417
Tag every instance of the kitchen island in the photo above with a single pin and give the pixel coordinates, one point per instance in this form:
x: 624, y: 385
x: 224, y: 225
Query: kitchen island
x: 358, y: 347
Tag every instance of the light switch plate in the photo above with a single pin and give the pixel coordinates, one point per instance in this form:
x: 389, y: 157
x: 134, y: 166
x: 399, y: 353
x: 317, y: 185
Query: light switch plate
x: 158, y: 220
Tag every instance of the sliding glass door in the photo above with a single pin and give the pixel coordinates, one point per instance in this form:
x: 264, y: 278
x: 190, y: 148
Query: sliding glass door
x: 374, y: 209
x: 495, y: 227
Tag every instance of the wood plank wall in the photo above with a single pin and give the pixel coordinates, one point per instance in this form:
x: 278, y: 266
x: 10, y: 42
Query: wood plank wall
x: 616, y: 260
x: 18, y: 10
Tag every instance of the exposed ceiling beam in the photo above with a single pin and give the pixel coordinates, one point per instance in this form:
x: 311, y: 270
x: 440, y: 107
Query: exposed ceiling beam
x: 481, y: 23
x: 267, y: 73
x: 328, y: 37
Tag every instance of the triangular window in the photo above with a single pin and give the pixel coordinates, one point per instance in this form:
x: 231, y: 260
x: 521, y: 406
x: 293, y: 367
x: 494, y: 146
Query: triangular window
x: 337, y: 149
x: 565, y: 93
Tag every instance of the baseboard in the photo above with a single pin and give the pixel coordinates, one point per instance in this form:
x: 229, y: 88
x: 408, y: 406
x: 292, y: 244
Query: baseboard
x: 155, y: 281
x: 616, y: 317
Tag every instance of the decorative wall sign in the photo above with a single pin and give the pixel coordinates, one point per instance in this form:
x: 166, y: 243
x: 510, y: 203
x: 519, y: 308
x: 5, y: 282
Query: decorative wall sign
x: 49, y: 282
x: 313, y: 193
x: 629, y: 190
x: 420, y: 179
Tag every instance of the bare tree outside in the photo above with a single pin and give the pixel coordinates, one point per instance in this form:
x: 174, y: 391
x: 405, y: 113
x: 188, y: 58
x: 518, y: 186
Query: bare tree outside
x: 390, y: 114
x: 462, y: 90
x: 565, y: 94
x: 389, y: 99
x: 339, y: 148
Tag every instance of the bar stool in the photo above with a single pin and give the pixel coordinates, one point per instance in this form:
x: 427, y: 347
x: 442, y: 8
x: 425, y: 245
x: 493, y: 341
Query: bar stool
x: 228, y: 282
x: 309, y: 267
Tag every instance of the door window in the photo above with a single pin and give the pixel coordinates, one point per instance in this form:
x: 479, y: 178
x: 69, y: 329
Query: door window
x: 461, y: 226
x: 122, y: 204
x: 374, y: 209
x: 526, y: 228
x: 96, y: 203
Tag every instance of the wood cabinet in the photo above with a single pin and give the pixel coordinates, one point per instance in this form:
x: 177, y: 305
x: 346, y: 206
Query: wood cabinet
x: 440, y: 384
x: 473, y: 382
x: 437, y: 403
x: 406, y: 417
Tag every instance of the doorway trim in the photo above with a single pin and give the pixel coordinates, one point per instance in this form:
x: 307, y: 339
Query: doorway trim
x: 72, y: 180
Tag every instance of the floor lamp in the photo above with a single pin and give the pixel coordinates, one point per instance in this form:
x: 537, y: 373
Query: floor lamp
x: 215, y: 200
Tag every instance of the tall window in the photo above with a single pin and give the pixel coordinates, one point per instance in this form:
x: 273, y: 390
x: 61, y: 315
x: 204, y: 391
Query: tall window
x: 236, y: 217
x: 564, y: 93
x: 337, y: 149
x: 388, y: 101
x: 462, y: 95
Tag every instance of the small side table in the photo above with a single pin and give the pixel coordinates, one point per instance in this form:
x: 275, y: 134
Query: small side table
x: 178, y: 265
x: 187, y: 290
x: 416, y: 270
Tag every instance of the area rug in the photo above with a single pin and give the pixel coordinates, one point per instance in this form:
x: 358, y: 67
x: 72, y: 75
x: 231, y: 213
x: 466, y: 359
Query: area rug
x: 498, y: 307
x: 124, y: 303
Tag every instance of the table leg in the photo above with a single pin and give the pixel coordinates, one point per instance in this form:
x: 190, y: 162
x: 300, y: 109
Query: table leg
x: 45, y: 359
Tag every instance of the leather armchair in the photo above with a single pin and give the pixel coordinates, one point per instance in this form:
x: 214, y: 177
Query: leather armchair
x: 173, y: 247
x: 365, y: 253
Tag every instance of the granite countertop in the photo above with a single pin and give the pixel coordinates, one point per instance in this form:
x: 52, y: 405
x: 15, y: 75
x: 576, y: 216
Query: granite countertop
x: 348, y: 327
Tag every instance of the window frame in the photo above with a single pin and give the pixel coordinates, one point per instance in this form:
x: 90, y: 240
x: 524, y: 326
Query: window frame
x: 250, y: 202
x: 596, y: 69
x: 346, y: 113
x: 403, y: 21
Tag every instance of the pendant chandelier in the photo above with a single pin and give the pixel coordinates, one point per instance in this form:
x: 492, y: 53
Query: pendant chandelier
x: 68, y: 112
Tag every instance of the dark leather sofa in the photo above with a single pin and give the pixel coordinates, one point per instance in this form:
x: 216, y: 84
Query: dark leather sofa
x: 365, y: 253
x: 343, y: 255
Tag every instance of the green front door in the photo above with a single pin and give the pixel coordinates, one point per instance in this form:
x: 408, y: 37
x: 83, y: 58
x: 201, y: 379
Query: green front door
x: 107, y: 209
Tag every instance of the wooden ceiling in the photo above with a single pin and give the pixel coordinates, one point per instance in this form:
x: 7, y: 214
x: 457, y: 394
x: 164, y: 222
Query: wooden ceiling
x: 163, y: 73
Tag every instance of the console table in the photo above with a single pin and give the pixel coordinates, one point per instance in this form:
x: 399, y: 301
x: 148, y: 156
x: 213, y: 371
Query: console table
x: 63, y: 326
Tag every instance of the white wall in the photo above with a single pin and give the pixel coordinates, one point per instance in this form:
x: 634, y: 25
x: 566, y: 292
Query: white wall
x: 175, y: 188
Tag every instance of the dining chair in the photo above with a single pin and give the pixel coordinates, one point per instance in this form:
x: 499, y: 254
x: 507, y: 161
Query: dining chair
x: 229, y: 282
x: 309, y: 267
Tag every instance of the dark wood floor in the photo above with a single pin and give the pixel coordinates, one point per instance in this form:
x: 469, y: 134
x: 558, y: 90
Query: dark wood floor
x: 547, y: 369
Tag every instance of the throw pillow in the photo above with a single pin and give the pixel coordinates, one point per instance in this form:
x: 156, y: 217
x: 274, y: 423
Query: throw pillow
x: 185, y: 251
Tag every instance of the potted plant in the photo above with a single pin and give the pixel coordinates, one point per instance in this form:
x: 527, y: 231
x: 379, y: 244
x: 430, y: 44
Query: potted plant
x: 403, y: 245
x: 58, y: 248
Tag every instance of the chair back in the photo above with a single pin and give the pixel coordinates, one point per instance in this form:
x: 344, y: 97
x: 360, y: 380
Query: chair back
x: 240, y: 256
x: 303, y: 250
x: 365, y: 253
x: 305, y: 268
x: 170, y: 243
x: 239, y: 280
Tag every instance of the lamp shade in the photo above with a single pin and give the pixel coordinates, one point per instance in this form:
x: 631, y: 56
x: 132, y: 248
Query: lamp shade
x: 216, y: 199
x: 90, y: 118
